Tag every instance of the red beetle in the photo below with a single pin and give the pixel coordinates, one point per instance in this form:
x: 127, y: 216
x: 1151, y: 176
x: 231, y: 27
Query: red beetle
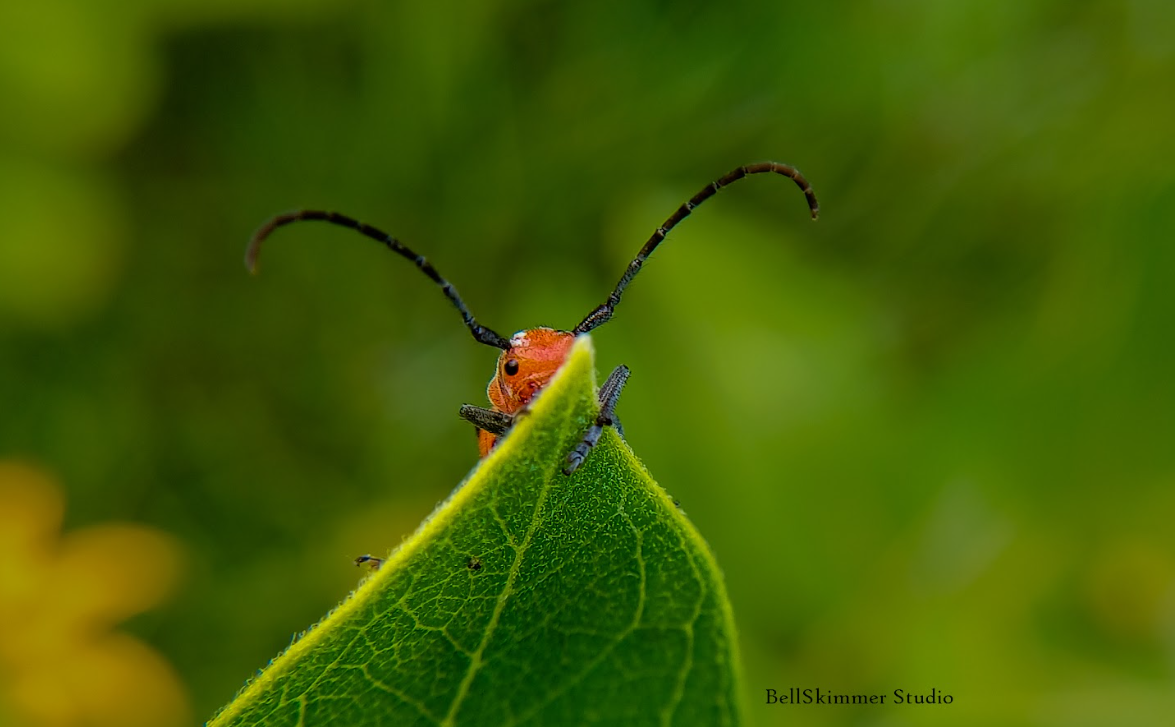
x: 529, y: 358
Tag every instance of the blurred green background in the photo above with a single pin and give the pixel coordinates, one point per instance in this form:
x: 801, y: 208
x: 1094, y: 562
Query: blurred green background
x: 931, y: 438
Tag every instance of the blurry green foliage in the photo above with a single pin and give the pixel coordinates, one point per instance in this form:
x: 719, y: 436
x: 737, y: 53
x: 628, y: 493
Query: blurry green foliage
x: 950, y: 400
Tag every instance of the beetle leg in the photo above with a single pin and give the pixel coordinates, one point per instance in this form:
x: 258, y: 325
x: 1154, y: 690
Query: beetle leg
x: 492, y: 421
x: 609, y: 395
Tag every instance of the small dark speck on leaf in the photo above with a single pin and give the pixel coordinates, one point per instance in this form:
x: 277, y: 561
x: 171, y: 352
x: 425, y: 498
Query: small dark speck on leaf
x: 371, y: 560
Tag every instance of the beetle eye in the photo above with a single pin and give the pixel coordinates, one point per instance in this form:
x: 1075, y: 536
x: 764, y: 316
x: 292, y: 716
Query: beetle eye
x: 511, y: 367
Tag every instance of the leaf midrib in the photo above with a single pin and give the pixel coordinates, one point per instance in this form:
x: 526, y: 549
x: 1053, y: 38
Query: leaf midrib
x: 475, y: 662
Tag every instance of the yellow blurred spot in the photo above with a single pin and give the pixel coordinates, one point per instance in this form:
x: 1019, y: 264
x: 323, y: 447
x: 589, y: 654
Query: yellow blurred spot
x: 1129, y: 587
x: 60, y: 664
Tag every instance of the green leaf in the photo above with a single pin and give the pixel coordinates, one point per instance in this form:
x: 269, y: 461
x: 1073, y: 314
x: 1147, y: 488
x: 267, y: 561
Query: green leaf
x: 527, y: 598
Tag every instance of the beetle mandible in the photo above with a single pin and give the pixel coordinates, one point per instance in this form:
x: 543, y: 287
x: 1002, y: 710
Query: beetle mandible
x: 530, y: 358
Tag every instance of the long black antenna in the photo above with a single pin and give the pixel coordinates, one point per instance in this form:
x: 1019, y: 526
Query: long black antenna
x: 603, y: 312
x: 480, y: 332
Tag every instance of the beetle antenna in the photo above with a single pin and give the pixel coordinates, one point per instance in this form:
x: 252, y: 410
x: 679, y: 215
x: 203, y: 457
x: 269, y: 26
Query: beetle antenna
x: 480, y: 332
x: 603, y: 312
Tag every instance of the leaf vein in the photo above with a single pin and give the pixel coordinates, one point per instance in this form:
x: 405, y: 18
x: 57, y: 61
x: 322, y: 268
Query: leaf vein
x: 475, y: 664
